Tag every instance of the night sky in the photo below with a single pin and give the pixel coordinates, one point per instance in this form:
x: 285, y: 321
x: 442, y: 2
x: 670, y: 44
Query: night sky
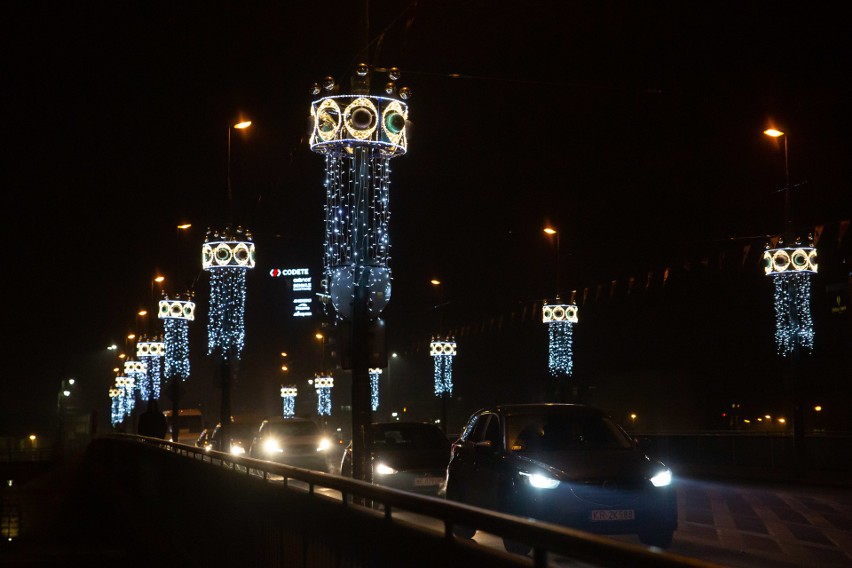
x: 635, y: 128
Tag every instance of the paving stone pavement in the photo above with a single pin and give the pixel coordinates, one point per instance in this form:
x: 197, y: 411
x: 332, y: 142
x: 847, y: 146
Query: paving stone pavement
x: 741, y: 524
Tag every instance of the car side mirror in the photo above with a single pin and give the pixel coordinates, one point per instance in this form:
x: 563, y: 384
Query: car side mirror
x: 484, y: 446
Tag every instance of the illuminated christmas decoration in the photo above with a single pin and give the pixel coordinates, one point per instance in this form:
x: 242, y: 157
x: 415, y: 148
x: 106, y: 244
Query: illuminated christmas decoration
x: 443, y: 353
x: 176, y: 315
x: 288, y: 395
x: 374, y: 388
x: 560, y: 319
x: 126, y: 398
x: 138, y: 371
x: 151, y: 352
x: 358, y: 134
x: 323, y: 386
x: 227, y: 254
x: 117, y: 412
x: 792, y: 269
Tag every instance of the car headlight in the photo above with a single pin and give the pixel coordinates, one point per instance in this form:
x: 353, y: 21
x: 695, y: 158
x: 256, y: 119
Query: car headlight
x: 539, y: 481
x: 383, y: 469
x: 237, y: 450
x: 662, y: 479
x: 324, y: 444
x: 271, y: 446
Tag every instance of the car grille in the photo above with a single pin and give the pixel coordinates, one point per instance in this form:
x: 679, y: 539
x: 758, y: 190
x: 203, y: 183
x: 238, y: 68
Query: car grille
x: 609, y: 493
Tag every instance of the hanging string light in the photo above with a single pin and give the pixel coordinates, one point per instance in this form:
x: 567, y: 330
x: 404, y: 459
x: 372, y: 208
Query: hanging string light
x: 792, y: 269
x: 288, y: 396
x: 443, y: 352
x: 151, y: 352
x: 560, y: 319
x: 374, y: 388
x: 116, y: 412
x: 227, y: 254
x: 176, y: 315
x: 323, y: 386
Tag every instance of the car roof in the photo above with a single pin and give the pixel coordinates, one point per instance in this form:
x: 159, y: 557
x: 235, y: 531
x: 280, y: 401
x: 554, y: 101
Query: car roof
x: 288, y: 419
x: 521, y: 408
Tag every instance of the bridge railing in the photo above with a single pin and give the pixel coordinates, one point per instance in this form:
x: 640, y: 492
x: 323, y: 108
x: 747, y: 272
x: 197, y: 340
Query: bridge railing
x: 220, y: 508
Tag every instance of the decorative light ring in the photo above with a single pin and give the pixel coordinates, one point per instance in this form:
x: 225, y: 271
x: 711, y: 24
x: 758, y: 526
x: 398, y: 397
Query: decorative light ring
x: 778, y: 261
x: 113, y: 393
x: 327, y: 120
x: 150, y: 349
x: 442, y: 348
x: 323, y: 382
x: 559, y: 312
x: 361, y: 118
x: 135, y: 367
x: 375, y: 371
x: 237, y: 254
x: 288, y: 391
x: 124, y: 382
x: 177, y: 309
x: 206, y: 255
x: 393, y: 121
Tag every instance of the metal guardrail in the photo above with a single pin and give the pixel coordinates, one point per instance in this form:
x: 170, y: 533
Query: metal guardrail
x: 548, y: 541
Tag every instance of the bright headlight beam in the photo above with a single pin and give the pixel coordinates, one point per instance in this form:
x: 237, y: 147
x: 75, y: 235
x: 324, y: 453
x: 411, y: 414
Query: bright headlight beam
x: 272, y: 446
x: 662, y: 479
x: 540, y: 481
x: 237, y: 450
x: 324, y: 444
x: 382, y: 469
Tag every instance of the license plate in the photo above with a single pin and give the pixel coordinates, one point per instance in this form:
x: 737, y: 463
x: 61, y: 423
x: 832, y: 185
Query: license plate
x: 427, y: 481
x: 601, y: 515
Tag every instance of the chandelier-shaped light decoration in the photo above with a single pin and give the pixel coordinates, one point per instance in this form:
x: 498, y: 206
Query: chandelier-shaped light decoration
x: 151, y: 352
x: 117, y: 411
x: 374, y: 388
x: 138, y: 371
x: 792, y: 268
x: 124, y: 387
x: 443, y: 352
x: 288, y: 395
x: 176, y: 315
x: 323, y: 386
x: 358, y: 134
x: 560, y: 319
x: 227, y: 255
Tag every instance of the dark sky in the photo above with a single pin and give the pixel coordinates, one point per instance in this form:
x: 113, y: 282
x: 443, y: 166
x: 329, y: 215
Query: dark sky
x: 633, y: 127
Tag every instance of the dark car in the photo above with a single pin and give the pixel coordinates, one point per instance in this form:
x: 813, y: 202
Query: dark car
x: 565, y: 464
x: 293, y: 441
x: 243, y: 430
x: 411, y: 456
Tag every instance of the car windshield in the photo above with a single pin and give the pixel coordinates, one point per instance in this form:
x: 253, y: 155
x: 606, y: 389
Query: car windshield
x: 559, y: 431
x: 246, y: 430
x: 292, y: 429
x: 408, y: 436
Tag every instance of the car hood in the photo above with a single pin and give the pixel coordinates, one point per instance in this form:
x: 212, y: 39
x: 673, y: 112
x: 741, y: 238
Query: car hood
x: 591, y: 465
x: 414, y: 459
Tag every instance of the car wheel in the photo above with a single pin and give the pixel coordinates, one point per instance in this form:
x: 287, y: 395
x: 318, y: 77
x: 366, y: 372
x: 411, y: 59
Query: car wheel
x: 516, y: 547
x: 460, y: 531
x: 657, y: 536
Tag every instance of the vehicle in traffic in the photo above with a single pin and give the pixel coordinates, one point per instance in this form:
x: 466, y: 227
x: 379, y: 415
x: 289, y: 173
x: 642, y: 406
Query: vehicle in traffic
x: 244, y: 427
x: 562, y: 463
x: 411, y: 456
x: 190, y: 424
x: 293, y: 441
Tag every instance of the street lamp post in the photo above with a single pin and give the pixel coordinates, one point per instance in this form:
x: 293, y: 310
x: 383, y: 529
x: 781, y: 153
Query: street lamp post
x: 551, y: 231
x: 64, y: 392
x: 792, y: 265
x: 242, y: 125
